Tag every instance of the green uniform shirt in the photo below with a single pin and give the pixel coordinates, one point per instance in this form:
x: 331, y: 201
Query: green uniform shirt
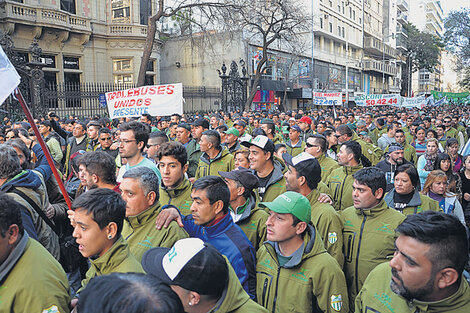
x: 310, y: 282
x: 296, y: 149
x: 371, y: 152
x: 141, y: 234
x: 327, y: 165
x: 223, y: 162
x: 340, y: 184
x: 368, y: 240
x: 376, y: 296
x: 180, y: 196
x: 253, y: 222
x: 328, y: 223
x: 419, y: 203
x: 194, y: 153
x: 118, y: 259
x: 35, y: 283
x: 234, y: 298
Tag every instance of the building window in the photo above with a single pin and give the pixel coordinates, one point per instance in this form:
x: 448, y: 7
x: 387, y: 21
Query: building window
x: 321, y: 23
x: 339, y: 31
x: 339, y: 8
x: 342, y: 32
x: 354, y: 14
x: 151, y: 73
x: 123, y: 79
x: 71, y: 63
x: 67, y: 5
x: 342, y: 6
x: 122, y: 71
x: 331, y: 3
x: 331, y: 27
x: 145, y: 11
x: 122, y: 65
x: 350, y: 12
x: 121, y: 11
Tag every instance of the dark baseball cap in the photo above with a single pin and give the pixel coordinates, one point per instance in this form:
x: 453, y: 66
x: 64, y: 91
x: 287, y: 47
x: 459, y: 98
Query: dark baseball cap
x: 201, y: 122
x: 185, y: 126
x: 241, y: 123
x: 305, y: 164
x: 191, y: 264
x: 296, y: 128
x: 244, y: 176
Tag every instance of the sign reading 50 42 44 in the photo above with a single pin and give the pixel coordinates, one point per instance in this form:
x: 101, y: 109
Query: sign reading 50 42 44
x: 385, y: 99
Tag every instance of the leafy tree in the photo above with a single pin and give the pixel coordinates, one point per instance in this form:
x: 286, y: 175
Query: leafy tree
x: 457, y: 39
x: 182, y: 12
x: 267, y: 22
x: 423, y: 49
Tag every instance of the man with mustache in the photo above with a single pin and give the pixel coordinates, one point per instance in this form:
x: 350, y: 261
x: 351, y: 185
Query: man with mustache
x: 425, y: 274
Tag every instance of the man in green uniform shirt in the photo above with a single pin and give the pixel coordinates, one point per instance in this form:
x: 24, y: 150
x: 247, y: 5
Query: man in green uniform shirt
x: 317, y: 145
x: 369, y: 228
x: 303, y: 177
x: 175, y: 188
x: 425, y: 274
x: 31, y: 279
x: 244, y: 204
x: 294, y: 273
x: 140, y: 191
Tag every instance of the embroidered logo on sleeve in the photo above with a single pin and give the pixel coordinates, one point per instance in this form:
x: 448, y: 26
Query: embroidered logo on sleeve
x: 336, y: 302
x: 52, y: 309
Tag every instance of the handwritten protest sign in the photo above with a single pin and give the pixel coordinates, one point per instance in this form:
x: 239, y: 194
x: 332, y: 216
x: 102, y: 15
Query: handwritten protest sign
x: 157, y: 100
x: 325, y: 98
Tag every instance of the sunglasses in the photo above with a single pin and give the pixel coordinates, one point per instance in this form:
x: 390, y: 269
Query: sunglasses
x: 149, y: 145
x: 106, y: 138
x: 309, y: 145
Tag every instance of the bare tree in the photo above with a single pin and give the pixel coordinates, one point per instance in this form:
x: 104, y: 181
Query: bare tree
x: 208, y: 12
x: 268, y: 21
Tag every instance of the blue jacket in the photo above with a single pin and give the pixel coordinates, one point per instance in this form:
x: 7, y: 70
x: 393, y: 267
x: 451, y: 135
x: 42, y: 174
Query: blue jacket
x: 229, y: 239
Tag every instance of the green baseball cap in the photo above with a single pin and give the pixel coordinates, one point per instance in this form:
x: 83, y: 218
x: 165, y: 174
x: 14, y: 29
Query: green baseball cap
x: 290, y: 202
x: 233, y: 131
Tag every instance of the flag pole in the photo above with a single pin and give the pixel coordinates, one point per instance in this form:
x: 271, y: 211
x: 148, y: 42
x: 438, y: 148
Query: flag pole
x: 41, y: 142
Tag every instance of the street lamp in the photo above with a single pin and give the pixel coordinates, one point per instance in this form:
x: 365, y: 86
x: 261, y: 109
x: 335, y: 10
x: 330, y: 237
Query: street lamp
x: 383, y: 59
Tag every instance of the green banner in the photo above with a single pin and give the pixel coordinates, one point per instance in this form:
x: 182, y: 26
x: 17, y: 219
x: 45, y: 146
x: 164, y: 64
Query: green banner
x: 452, y: 97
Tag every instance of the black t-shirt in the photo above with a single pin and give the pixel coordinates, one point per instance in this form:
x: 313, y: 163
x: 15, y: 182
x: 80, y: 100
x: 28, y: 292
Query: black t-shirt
x: 401, y: 201
x: 263, y: 181
x: 465, y: 188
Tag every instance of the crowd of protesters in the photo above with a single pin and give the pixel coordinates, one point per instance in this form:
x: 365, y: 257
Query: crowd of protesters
x: 360, y: 209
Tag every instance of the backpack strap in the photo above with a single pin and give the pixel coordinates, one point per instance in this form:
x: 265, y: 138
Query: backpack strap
x: 35, y: 207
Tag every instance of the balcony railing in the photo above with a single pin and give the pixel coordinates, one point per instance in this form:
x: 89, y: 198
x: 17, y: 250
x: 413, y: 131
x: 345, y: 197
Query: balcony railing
x: 375, y: 46
x: 44, y: 17
x: 402, y: 18
x: 403, y: 5
x: 127, y: 30
x: 380, y: 67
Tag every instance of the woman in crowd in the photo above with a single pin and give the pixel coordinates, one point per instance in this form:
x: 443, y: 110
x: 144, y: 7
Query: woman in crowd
x: 444, y: 163
x: 405, y: 196
x: 452, y: 148
x: 465, y: 177
x: 427, y: 159
x: 241, y: 158
x: 436, y: 188
x: 420, y: 141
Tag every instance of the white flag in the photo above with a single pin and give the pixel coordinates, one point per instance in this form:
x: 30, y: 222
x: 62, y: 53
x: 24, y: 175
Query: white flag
x: 9, y: 78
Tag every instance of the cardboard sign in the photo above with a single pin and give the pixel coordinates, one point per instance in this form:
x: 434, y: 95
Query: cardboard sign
x: 159, y: 100
x: 325, y: 98
x: 372, y: 100
x: 8, y: 76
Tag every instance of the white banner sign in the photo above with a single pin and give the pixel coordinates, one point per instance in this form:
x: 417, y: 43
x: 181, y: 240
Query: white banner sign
x: 325, y: 98
x: 8, y: 76
x: 371, y: 100
x: 416, y: 102
x: 158, y: 100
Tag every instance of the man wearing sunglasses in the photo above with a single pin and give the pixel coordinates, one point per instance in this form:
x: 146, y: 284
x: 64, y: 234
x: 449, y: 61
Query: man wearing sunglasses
x: 106, y: 140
